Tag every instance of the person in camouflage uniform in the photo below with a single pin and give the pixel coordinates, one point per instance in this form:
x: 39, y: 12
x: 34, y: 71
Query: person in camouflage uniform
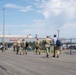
x: 37, y: 46
x: 14, y: 46
x: 3, y: 46
x: 18, y: 46
x: 24, y: 46
x: 48, y: 43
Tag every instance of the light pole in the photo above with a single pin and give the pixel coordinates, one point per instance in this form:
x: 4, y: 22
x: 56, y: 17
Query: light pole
x: 58, y: 33
x: 3, y: 23
x: 36, y: 36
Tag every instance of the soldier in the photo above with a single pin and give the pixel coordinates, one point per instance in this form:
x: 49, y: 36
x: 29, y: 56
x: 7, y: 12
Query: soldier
x: 3, y: 46
x: 18, y: 46
x: 14, y: 46
x: 24, y: 46
x: 48, y: 43
x: 37, y: 45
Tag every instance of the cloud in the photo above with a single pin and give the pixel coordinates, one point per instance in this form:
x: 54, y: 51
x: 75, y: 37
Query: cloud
x: 68, y: 30
x: 69, y: 7
x: 57, y: 14
x: 41, y: 28
x: 12, y: 6
x: 20, y: 8
x: 38, y: 27
x: 58, y: 7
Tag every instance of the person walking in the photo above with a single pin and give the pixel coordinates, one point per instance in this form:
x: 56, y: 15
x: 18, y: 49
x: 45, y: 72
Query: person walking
x: 3, y: 46
x: 48, y: 43
x: 14, y: 46
x: 24, y: 46
x: 18, y: 46
x: 57, y: 45
x: 37, y: 46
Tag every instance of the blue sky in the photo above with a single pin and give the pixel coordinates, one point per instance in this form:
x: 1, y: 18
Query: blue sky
x: 41, y: 17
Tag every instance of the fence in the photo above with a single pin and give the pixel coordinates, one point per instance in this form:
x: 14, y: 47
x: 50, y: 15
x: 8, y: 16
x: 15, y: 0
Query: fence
x: 70, y: 45
x: 67, y: 44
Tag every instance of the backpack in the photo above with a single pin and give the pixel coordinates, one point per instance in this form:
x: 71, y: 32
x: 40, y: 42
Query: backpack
x: 27, y: 44
x: 58, y: 42
x: 18, y: 43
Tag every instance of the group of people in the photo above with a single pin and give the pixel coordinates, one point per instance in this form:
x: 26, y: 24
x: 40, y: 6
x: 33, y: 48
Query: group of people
x: 20, y: 46
x: 48, y: 42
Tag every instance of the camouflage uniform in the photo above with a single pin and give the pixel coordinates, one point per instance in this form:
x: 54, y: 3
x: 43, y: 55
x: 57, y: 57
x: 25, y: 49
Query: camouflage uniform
x: 47, y: 45
x: 14, y: 46
x: 3, y: 46
x: 37, y: 46
x: 18, y: 46
x: 24, y: 48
